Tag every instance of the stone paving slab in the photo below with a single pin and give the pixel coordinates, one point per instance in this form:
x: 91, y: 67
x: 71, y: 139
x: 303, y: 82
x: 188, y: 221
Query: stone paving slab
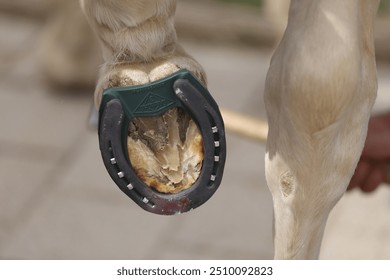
x: 19, y: 180
x: 359, y: 227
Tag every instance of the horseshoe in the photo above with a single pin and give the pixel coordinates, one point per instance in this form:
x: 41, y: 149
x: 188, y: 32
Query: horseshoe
x: 121, y: 105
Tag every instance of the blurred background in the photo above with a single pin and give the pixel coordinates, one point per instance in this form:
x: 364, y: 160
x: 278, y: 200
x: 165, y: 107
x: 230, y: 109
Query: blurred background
x: 58, y: 202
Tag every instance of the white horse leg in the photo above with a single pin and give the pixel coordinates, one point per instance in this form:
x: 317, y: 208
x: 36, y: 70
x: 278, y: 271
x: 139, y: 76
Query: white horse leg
x: 139, y: 45
x: 320, y: 89
x: 138, y: 40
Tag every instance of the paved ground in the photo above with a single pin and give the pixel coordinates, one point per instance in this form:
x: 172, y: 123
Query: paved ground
x: 57, y: 202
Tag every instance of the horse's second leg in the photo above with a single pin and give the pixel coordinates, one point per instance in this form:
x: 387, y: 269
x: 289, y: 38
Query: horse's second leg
x: 320, y: 88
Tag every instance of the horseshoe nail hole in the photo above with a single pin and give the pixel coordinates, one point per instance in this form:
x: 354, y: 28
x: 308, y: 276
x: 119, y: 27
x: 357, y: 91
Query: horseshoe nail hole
x: 121, y: 174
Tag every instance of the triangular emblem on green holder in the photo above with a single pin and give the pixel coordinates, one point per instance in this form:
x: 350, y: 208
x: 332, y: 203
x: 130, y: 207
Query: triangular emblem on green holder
x: 153, y: 103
